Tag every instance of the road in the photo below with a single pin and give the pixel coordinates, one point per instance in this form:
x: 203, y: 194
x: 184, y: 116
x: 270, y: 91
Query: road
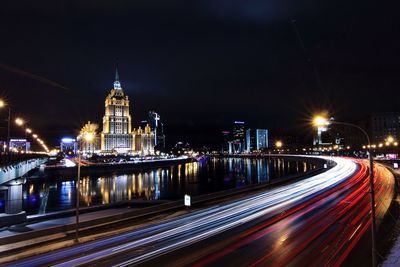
x: 313, y: 222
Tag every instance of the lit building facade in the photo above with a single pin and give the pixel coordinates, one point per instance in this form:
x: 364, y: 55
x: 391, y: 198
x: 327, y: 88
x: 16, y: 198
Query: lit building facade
x: 117, y: 135
x: 261, y: 139
x: 68, y: 146
x: 238, y: 137
x: 256, y: 139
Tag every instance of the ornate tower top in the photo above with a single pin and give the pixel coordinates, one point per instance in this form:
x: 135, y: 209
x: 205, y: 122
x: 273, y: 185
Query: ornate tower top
x: 117, y: 84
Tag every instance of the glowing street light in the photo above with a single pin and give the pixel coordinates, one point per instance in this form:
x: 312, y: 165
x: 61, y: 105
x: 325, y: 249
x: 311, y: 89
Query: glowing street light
x: 35, y: 136
x: 19, y: 121
x: 29, y: 131
x: 278, y: 144
x: 88, y: 137
x: 320, y: 121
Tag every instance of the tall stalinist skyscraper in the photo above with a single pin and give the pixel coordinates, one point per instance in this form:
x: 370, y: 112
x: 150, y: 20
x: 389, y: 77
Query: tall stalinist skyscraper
x: 117, y: 134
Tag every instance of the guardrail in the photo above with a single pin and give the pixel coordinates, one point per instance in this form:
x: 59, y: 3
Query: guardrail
x: 7, y: 158
x: 17, y: 169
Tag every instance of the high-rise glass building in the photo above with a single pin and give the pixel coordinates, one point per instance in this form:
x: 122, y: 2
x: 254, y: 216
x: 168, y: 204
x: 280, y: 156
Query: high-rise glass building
x: 256, y: 139
x: 238, y: 141
x: 261, y: 139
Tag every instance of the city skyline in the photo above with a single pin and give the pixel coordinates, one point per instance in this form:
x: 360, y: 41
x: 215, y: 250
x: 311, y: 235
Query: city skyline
x: 237, y: 57
x: 199, y: 133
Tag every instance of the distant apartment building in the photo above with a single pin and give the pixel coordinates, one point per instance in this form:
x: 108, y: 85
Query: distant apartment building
x: 383, y: 125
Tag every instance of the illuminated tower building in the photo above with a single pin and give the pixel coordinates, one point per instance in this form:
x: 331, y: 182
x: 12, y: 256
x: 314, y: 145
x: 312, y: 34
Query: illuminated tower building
x: 261, y: 139
x: 116, y: 133
x: 238, y: 137
x: 256, y: 139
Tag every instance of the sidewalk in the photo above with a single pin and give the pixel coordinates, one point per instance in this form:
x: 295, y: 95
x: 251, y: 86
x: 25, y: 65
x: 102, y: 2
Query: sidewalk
x: 47, y: 224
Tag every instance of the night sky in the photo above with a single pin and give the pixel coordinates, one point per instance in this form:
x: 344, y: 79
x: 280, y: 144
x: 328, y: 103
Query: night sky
x: 200, y: 64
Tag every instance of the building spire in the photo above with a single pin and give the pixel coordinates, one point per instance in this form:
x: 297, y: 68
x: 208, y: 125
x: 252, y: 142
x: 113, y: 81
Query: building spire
x: 117, y: 84
x: 116, y: 74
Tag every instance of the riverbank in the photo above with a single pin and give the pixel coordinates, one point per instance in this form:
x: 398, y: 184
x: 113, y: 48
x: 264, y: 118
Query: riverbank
x: 106, y: 168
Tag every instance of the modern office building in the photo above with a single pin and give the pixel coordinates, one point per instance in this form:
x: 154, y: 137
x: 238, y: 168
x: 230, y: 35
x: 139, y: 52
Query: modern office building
x: 19, y: 144
x: 117, y: 135
x: 261, y: 139
x: 68, y: 146
x: 238, y: 135
x: 250, y: 140
x: 256, y: 139
x: 226, y: 146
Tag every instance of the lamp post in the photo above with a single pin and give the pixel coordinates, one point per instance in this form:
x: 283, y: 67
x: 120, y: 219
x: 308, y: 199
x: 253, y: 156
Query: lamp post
x: 322, y: 121
x: 87, y: 137
x: 2, y: 105
x: 77, y: 194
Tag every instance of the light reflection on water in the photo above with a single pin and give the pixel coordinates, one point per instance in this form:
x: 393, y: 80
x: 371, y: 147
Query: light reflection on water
x: 169, y: 183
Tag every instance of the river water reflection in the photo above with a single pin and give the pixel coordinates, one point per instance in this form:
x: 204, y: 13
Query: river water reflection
x: 168, y: 183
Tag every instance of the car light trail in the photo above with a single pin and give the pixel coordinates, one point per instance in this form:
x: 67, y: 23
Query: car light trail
x: 316, y: 210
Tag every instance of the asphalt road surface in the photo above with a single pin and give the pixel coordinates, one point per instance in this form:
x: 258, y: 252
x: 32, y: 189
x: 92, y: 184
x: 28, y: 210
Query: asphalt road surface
x: 313, y: 222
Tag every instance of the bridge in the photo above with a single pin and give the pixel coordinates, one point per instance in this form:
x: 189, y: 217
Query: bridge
x: 12, y: 172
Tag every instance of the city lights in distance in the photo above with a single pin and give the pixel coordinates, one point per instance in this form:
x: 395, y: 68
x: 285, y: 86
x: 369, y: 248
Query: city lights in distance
x: 320, y: 121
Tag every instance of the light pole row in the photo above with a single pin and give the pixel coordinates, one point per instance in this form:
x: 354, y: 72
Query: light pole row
x: 20, y: 122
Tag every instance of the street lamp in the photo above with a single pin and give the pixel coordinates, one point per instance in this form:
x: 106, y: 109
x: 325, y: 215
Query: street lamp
x: 88, y: 138
x: 322, y: 121
x: 2, y: 105
x: 19, y: 121
x: 278, y: 144
x: 390, y: 139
